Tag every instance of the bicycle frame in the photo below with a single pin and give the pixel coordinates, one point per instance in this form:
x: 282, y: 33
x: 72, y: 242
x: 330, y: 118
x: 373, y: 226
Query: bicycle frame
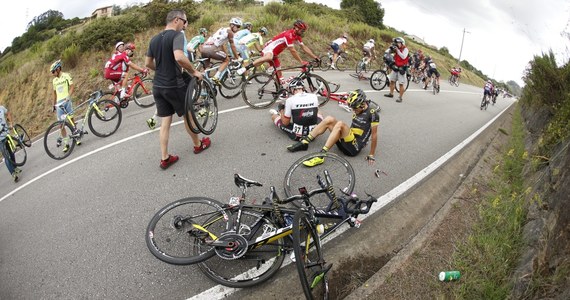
x: 131, y: 82
x: 69, y: 116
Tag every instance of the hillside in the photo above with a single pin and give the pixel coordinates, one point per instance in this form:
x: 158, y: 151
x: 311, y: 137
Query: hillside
x: 25, y: 81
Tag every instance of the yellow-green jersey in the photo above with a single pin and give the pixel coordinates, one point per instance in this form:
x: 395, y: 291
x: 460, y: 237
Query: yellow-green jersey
x: 250, y: 39
x: 61, y: 86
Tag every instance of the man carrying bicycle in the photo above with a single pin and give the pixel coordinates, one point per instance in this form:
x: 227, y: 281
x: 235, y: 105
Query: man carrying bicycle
x: 62, y: 89
x: 215, y: 46
x: 350, y: 140
x: 300, y: 113
x: 399, y: 67
x: 337, y: 46
x: 5, y: 123
x: 285, y: 40
x: 117, y: 67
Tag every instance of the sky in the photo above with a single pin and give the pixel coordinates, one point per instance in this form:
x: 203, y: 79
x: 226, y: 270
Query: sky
x: 501, y: 36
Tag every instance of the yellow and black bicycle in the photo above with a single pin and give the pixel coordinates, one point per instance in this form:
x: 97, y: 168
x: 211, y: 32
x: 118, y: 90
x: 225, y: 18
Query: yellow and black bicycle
x: 102, y: 115
x: 14, y: 147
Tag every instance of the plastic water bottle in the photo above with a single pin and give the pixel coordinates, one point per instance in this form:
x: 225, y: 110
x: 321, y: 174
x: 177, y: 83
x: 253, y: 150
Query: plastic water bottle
x: 288, y: 219
x: 234, y: 201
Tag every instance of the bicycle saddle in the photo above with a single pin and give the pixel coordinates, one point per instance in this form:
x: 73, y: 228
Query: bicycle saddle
x: 242, y: 181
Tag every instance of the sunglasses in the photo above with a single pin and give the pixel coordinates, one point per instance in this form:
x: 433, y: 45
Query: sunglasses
x: 183, y: 20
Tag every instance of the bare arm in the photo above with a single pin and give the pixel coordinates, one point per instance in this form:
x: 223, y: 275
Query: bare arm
x: 135, y: 66
x: 373, y: 141
x: 149, y: 63
x: 308, y: 51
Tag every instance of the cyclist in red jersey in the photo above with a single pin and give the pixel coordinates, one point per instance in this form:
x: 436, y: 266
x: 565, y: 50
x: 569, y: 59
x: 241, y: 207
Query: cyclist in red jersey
x: 285, y: 40
x: 117, y: 67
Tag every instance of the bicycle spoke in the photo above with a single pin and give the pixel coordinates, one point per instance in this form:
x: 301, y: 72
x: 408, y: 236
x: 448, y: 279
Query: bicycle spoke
x: 260, y: 90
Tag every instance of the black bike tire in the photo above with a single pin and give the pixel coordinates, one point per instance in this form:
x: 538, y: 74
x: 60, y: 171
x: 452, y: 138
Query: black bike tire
x: 136, y: 94
x: 360, y: 67
x: 316, y: 83
x: 308, y: 256
x: 158, y: 247
x: 274, y: 249
x: 19, y: 147
x: 341, y: 62
x: 229, y: 93
x: 347, y: 182
x: 268, y: 81
x: 224, y: 82
x: 325, y: 62
x: 23, y: 135
x: 104, y: 106
x: 379, y: 76
x: 69, y: 130
x: 212, y: 103
x: 188, y: 99
x: 334, y: 86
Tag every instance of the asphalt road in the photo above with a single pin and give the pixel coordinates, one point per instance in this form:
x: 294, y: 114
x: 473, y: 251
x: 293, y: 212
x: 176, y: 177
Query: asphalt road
x: 75, y: 228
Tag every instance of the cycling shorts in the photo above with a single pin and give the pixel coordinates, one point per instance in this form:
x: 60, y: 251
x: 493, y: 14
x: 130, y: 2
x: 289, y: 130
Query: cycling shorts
x: 213, y: 52
x: 335, y: 47
x: 114, y: 75
x: 289, y: 129
x: 68, y: 108
x: 366, y: 52
x: 349, y: 145
x: 433, y: 71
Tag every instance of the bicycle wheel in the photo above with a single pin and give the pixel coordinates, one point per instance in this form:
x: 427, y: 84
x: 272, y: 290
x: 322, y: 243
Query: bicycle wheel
x: 104, y: 118
x: 23, y: 135
x: 406, y: 83
x: 172, y: 236
x: 341, y: 62
x: 204, y: 108
x: 260, y: 91
x: 309, y: 257
x: 483, y: 103
x: 143, y: 93
x: 55, y: 142
x: 379, y: 80
x: 110, y: 96
x: 360, y: 66
x: 334, y: 86
x: 318, y: 86
x: 255, y: 266
x: 232, y: 81
x: 14, y: 151
x: 325, y: 62
x: 298, y: 175
x: 191, y: 93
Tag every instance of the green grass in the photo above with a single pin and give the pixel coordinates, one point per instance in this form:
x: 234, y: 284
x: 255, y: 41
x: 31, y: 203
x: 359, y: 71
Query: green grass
x: 487, y: 258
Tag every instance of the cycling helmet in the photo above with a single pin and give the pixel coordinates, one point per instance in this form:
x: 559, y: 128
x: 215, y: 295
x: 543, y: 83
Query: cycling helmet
x: 299, y: 24
x: 130, y: 46
x: 55, y: 65
x: 203, y: 31
x: 264, y: 30
x: 371, y: 41
x: 247, y: 25
x: 296, y: 84
x: 236, y: 22
x: 118, y: 44
x: 345, y: 35
x: 489, y: 81
x: 356, y: 98
x: 400, y: 40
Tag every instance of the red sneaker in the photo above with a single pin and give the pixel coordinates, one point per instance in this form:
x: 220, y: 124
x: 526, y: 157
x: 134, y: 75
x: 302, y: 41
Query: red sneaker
x: 164, y: 164
x: 204, y: 144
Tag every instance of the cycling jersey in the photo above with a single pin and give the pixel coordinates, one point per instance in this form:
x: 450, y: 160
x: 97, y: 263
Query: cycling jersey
x: 340, y: 41
x: 488, y: 89
x: 401, y: 57
x: 3, y: 123
x: 61, y: 86
x: 455, y: 72
x: 302, y: 109
x: 250, y: 39
x: 360, y: 131
x: 368, y: 45
x: 285, y: 39
x: 240, y: 34
x: 220, y: 37
x: 118, y: 62
x: 195, y: 42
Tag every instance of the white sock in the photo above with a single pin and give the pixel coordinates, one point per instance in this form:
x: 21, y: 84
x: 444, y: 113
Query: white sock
x: 123, y: 92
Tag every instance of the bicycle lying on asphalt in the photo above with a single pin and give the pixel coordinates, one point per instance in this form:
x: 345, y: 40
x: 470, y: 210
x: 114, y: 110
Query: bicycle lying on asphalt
x: 102, y: 115
x: 240, y: 244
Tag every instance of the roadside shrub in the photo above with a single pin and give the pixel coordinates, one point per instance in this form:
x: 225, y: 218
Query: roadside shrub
x: 71, y: 56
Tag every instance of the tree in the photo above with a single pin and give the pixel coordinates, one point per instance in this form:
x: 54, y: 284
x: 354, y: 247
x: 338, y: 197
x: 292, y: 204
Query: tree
x: 292, y: 1
x: 371, y: 11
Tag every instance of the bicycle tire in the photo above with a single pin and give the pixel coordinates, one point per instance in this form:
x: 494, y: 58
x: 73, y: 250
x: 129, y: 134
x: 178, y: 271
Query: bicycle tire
x: 110, y: 96
x: 406, y: 84
x: 379, y: 80
x: 232, y: 81
x: 104, y: 118
x: 23, y: 135
x: 341, y: 62
x: 309, y: 258
x: 229, y: 93
x: 142, y: 93
x: 204, y: 108
x: 53, y: 148
x: 260, y: 91
x: 16, y: 154
x: 297, y: 176
x: 188, y: 107
x: 256, y: 265
x: 360, y: 67
x: 483, y: 103
x: 170, y: 237
x: 318, y: 86
x: 325, y: 62
x: 334, y: 86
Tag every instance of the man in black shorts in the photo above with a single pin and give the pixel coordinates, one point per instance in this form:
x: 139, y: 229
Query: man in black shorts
x: 300, y: 113
x: 350, y: 140
x: 165, y: 55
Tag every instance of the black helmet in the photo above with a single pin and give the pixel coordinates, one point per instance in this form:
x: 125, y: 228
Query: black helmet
x: 356, y: 98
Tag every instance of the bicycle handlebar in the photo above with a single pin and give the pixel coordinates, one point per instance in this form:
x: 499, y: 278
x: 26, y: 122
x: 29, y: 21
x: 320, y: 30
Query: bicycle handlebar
x: 356, y: 209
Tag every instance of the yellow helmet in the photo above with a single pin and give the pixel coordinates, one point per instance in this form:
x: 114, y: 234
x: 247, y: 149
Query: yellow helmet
x: 356, y: 98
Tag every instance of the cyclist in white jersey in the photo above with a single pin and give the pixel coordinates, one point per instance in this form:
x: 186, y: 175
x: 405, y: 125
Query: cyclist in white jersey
x: 214, y: 47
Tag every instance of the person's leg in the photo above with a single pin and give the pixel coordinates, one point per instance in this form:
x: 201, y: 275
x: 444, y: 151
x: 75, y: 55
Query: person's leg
x: 327, y: 124
x: 164, y: 136
x: 339, y: 130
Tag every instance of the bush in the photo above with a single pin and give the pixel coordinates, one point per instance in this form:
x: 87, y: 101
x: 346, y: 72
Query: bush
x: 71, y: 56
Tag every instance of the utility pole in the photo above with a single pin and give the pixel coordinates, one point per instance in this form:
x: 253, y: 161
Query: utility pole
x: 461, y: 49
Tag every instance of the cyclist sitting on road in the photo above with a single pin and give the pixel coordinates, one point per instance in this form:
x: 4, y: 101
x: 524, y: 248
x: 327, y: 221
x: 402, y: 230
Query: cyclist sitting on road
x: 368, y: 51
x: 252, y: 40
x: 300, y: 113
x: 214, y: 47
x: 62, y: 89
x: 117, y: 67
x: 274, y: 47
x: 196, y: 44
x: 431, y: 67
x: 338, y: 45
x: 399, y: 67
x: 5, y: 123
x: 350, y: 140
x: 247, y: 26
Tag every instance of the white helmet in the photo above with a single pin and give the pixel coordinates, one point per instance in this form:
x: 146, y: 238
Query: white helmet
x: 371, y: 41
x: 236, y: 21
